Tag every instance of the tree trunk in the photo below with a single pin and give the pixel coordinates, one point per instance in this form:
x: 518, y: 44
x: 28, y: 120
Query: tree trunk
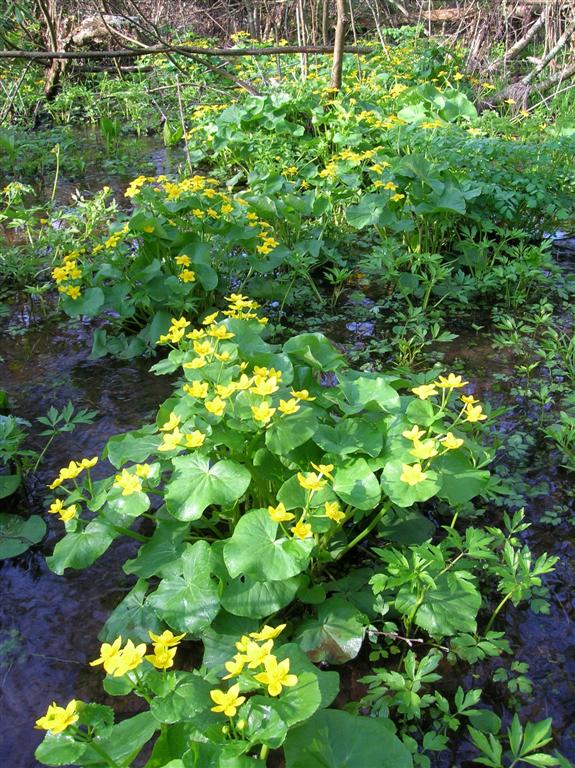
x: 338, y: 45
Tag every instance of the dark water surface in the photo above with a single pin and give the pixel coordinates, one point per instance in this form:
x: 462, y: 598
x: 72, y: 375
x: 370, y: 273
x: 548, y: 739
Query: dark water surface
x: 49, y: 624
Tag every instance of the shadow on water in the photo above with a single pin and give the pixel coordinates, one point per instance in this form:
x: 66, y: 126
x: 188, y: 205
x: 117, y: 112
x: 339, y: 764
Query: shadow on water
x: 49, y: 624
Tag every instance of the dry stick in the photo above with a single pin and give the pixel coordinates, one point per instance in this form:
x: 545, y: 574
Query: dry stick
x: 518, y: 46
x: 551, y: 55
x: 11, y: 97
x: 183, y: 124
x: 187, y: 50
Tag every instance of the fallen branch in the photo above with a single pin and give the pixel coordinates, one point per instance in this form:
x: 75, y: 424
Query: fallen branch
x: 123, y: 53
x: 518, y: 46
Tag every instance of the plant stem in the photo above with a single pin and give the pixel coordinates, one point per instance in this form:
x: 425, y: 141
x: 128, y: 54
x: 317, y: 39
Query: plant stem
x: 365, y: 532
x: 264, y: 752
x: 497, y: 610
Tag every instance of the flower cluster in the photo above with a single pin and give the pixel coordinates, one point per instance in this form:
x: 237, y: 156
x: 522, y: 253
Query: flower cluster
x: 58, y: 719
x: 427, y: 447
x: 72, y: 471
x: 68, y: 275
x: 117, y: 661
x: 254, y: 653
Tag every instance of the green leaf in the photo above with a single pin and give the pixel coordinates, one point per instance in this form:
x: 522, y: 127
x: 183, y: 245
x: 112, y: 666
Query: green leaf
x: 355, y: 484
x: 334, y: 739
x: 197, y: 483
x: 80, y: 549
x: 134, y: 446
x: 132, y: 617
x: 59, y: 750
x: 450, y: 607
x: 422, y: 413
x: 88, y: 303
x: 244, y: 596
x: 351, y: 435
x: 125, y: 741
x: 190, y: 697
x: 460, y: 481
x: 336, y: 635
x: 403, y: 494
x: 315, y: 350
x: 368, y: 392
x: 9, y: 484
x: 291, y: 431
x: 328, y: 683
x: 190, y: 602
x: 17, y: 534
x: 264, y: 724
x: 254, y: 550
x: 160, y: 555
x: 405, y: 526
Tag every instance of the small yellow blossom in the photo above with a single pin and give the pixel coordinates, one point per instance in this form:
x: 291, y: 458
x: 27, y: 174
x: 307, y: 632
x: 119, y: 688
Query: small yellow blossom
x: 216, y: 406
x: 451, y: 442
x: 267, y: 632
x: 302, y: 394
x: 276, y: 675
x: 263, y: 412
x: 108, y: 655
x: 334, y: 512
x: 129, y: 658
x: 310, y: 481
x: 424, y: 391
x: 301, y: 530
x: 279, y: 515
x: 167, y: 638
x: 183, y: 260
x: 194, y: 439
x: 415, y: 433
x: 162, y: 658
x: 171, y: 423
x: 474, y: 413
x: 227, y: 702
x: 187, y: 276
x: 197, y: 389
x: 451, y: 382
x: 412, y: 474
x: 255, y: 654
x: 234, y: 667
x: 289, y: 407
x: 324, y: 469
x: 57, y: 719
x: 424, y: 450
x: 128, y: 483
x: 171, y: 441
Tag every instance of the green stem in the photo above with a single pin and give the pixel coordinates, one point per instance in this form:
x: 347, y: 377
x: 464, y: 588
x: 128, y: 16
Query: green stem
x: 365, y: 532
x: 102, y: 752
x: 131, y: 534
x: 497, y: 610
x: 57, y: 174
x: 264, y: 752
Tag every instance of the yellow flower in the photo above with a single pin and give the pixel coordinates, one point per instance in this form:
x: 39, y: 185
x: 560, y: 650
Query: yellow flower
x: 474, y: 413
x: 198, y: 362
x: 225, y: 390
x: 390, y: 185
x: 167, y: 638
x: 451, y: 382
x: 333, y: 511
x: 244, y: 382
x: 149, y: 228
x: 302, y: 394
x: 162, y: 658
x: 469, y: 399
x: 415, y: 433
x: 263, y: 412
x: 74, y: 292
x: 87, y: 463
x: 267, y: 632
x: 310, y: 481
x: 324, y: 469
x: 183, y: 260
x: 397, y: 197
x: 143, y: 470
x: 279, y: 515
x: 263, y: 386
x: 227, y: 702
x: 276, y: 675
x: 209, y: 319
x: 203, y: 348
x: 171, y: 423
x: 255, y: 654
x: 220, y: 332
x: 197, y: 389
x: 425, y: 391
x: 234, y: 667
x: 425, y: 450
x: 171, y: 440
x: 301, y: 530
x: 288, y: 407
x: 216, y: 406
x: 129, y: 658
x: 194, y: 439
x: 412, y: 474
x: 69, y: 513
x: 451, y: 442
x: 222, y: 357
x: 128, y: 483
x: 108, y: 655
x: 57, y: 719
x: 187, y: 276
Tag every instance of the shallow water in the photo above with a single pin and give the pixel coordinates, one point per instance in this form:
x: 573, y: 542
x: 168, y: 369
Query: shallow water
x: 49, y: 624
